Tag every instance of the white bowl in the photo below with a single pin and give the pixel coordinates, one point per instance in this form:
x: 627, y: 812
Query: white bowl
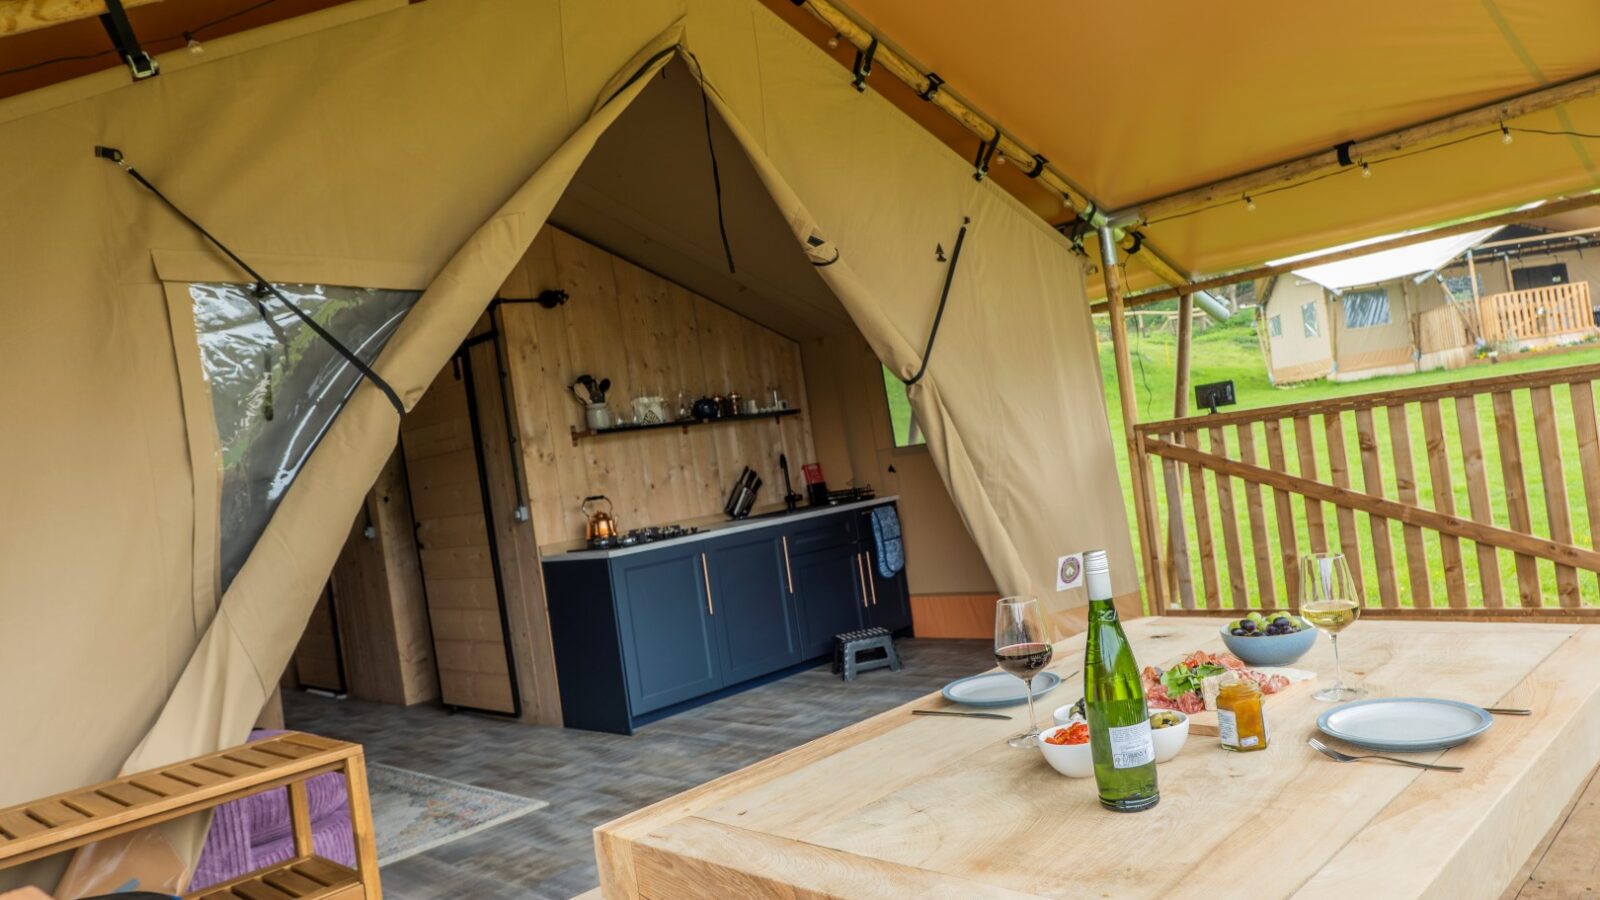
x: 1063, y: 714
x: 1170, y: 740
x: 1071, y: 760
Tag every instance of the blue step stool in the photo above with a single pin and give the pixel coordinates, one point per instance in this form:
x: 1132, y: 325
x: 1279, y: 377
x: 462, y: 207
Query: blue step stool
x: 849, y: 647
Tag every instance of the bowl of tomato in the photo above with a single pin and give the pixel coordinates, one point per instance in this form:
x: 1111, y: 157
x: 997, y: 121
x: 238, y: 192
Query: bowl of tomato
x: 1066, y: 749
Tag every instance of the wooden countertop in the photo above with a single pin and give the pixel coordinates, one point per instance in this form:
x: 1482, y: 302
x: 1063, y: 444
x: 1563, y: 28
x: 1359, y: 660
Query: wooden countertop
x: 902, y: 806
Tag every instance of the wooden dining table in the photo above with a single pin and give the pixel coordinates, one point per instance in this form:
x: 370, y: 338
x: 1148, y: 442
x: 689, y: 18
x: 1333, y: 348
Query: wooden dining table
x: 903, y: 806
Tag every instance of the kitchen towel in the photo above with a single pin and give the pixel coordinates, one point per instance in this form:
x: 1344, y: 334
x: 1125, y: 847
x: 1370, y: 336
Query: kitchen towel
x: 886, y: 534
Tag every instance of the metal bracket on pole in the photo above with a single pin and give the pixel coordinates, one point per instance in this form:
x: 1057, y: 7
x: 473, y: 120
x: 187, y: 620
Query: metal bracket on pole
x: 140, y: 63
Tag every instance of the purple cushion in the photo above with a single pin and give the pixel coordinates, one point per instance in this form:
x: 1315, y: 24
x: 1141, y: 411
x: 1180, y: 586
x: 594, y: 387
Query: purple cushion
x: 255, y: 832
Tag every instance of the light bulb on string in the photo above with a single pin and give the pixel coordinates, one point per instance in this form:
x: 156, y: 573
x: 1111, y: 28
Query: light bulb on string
x: 1249, y: 203
x: 1366, y: 171
x: 999, y: 159
x: 833, y: 42
x: 194, y: 45
x: 1505, y: 134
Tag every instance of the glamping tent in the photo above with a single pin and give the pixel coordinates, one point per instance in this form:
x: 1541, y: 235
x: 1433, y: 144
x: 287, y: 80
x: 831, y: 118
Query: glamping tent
x: 164, y: 558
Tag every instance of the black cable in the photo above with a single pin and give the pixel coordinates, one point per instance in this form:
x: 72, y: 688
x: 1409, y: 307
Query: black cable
x: 182, y: 35
x: 114, y: 155
x: 716, y: 174
x: 944, y: 297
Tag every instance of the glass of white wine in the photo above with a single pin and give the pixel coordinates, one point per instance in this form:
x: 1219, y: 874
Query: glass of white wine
x: 1328, y: 600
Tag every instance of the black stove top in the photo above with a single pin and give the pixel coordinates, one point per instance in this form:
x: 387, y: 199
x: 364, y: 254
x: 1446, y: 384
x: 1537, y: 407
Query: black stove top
x: 643, y: 536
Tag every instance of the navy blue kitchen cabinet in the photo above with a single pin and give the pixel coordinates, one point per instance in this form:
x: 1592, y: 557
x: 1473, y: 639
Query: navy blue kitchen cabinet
x: 757, y: 626
x: 670, y: 639
x: 647, y: 631
x: 889, y: 598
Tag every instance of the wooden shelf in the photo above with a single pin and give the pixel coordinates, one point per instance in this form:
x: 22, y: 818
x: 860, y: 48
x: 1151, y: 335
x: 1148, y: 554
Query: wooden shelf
x: 692, y: 423
x: 304, y: 878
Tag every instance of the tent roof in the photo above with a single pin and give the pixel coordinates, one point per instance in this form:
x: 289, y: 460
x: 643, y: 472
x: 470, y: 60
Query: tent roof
x: 1389, y: 264
x: 1135, y: 103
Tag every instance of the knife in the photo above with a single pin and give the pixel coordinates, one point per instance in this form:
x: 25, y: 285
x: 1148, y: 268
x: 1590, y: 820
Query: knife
x: 946, y: 712
x: 1505, y: 711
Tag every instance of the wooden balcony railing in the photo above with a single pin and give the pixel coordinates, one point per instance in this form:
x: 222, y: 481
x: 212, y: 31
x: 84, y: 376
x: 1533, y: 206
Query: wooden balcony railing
x: 1435, y: 519
x: 1542, y: 312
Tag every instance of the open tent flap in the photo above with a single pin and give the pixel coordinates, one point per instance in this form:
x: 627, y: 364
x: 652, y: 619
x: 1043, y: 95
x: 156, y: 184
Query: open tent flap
x: 394, y: 176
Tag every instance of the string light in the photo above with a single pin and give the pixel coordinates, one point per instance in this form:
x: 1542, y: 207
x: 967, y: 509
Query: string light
x: 1505, y: 134
x: 1249, y: 204
x: 1366, y: 171
x: 833, y: 42
x: 194, y: 45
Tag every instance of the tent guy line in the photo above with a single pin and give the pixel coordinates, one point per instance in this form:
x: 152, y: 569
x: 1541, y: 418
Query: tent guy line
x: 262, y: 286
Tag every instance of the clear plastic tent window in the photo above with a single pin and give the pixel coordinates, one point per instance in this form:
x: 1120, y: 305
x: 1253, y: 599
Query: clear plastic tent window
x: 1308, y: 318
x: 1365, y: 309
x: 276, y: 387
x: 1275, y: 326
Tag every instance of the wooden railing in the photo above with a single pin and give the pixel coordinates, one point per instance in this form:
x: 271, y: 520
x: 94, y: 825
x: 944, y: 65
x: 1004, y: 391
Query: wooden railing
x: 1542, y: 312
x: 1431, y: 515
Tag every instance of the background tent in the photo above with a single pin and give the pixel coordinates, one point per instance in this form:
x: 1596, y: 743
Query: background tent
x: 420, y: 149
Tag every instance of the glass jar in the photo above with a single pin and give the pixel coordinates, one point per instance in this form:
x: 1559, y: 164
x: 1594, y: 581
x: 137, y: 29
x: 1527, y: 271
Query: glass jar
x: 1241, y: 718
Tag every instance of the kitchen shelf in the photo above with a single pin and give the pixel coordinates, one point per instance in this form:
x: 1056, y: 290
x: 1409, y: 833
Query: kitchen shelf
x: 774, y: 414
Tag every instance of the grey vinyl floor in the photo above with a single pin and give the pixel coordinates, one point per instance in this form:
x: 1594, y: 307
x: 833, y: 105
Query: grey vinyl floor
x: 590, y: 778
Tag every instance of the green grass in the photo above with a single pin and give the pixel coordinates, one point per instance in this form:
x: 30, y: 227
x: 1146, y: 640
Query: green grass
x: 1231, y: 351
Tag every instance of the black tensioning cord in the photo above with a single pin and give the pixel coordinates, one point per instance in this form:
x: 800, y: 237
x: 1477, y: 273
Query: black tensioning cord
x: 114, y: 155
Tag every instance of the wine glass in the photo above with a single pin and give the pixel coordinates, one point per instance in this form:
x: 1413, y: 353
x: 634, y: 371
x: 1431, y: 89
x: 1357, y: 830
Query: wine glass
x: 1022, y: 648
x: 1328, y: 600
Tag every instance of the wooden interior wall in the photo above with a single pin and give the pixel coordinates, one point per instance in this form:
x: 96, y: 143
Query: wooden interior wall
x: 649, y: 336
x: 316, y: 657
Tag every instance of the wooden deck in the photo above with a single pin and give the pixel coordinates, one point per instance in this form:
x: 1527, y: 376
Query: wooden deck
x: 1566, y: 865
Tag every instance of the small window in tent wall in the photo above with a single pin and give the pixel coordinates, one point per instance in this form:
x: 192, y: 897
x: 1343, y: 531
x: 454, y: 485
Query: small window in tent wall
x: 1275, y: 326
x: 1308, y: 318
x: 1366, y: 309
x: 907, y: 433
x: 276, y: 387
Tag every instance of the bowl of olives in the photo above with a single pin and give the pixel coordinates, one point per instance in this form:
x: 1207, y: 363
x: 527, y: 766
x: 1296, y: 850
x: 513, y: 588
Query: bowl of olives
x: 1269, y: 639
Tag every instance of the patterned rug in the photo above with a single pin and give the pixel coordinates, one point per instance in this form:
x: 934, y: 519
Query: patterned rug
x: 413, y: 812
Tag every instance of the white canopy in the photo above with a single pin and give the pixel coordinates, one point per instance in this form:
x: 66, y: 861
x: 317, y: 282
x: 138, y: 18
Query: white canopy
x: 1388, y: 264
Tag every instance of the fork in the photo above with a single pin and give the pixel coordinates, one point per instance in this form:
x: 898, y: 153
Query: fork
x: 1336, y: 756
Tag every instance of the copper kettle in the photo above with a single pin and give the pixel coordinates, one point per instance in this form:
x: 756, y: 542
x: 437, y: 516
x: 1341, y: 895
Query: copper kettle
x: 601, y: 525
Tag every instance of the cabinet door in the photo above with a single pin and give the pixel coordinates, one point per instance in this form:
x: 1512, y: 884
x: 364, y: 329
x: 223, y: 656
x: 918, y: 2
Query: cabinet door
x: 828, y: 585
x: 889, y: 598
x: 757, y: 624
x: 668, y: 636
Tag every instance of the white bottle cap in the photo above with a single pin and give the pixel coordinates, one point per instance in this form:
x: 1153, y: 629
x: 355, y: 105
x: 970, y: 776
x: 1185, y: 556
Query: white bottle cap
x: 1097, y: 574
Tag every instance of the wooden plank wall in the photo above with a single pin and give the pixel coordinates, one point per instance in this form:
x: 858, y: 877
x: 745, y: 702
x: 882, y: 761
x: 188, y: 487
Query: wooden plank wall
x: 316, y: 657
x: 649, y: 336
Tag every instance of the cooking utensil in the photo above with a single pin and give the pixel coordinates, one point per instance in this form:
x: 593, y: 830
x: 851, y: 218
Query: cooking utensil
x: 586, y: 394
x: 951, y: 712
x: 601, y: 525
x: 1507, y: 711
x: 1336, y: 756
x: 601, y: 389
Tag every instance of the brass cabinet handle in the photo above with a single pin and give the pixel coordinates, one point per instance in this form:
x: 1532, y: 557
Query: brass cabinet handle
x: 787, y: 570
x: 862, y: 571
x: 706, y: 572
x: 871, y: 582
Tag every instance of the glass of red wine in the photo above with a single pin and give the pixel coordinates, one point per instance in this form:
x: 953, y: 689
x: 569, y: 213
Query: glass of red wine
x: 1022, y: 648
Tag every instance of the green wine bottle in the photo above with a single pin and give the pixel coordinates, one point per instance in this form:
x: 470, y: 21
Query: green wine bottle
x: 1119, y: 722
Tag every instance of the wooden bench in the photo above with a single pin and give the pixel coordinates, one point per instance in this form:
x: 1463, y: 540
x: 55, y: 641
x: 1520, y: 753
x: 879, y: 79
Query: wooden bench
x: 70, y: 820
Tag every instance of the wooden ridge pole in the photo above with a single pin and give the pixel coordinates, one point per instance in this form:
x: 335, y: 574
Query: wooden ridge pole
x: 1372, y: 149
x: 1405, y: 240
x: 1137, y: 469
x: 1079, y: 203
x: 18, y: 16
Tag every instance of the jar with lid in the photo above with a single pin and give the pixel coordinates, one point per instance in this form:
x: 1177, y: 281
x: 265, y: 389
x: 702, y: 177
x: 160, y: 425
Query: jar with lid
x: 1241, y: 718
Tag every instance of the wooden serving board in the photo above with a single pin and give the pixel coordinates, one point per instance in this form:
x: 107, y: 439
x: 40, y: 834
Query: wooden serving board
x: 1205, y: 722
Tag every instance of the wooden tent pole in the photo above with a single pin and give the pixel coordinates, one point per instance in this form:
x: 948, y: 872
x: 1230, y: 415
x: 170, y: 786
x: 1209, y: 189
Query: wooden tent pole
x: 1138, y: 470
x: 1081, y: 205
x: 1375, y: 148
x: 1180, y: 392
x: 1405, y: 240
x: 18, y: 16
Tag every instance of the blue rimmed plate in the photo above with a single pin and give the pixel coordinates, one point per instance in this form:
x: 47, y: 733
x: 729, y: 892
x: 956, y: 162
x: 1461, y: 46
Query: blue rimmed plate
x: 997, y: 689
x: 1405, y: 724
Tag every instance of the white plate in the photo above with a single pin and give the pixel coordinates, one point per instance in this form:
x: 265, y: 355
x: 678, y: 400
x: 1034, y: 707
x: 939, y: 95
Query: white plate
x: 997, y: 689
x: 1406, y: 724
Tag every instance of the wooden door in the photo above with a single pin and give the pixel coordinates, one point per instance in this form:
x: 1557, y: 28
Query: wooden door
x: 318, y: 658
x: 460, y: 566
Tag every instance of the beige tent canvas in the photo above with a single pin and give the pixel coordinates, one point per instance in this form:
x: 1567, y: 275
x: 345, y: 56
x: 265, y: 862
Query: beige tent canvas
x: 344, y: 156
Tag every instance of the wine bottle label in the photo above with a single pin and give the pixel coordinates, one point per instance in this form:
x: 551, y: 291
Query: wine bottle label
x: 1131, y: 746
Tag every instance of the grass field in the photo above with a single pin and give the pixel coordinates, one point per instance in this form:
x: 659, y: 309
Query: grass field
x: 1230, y: 351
